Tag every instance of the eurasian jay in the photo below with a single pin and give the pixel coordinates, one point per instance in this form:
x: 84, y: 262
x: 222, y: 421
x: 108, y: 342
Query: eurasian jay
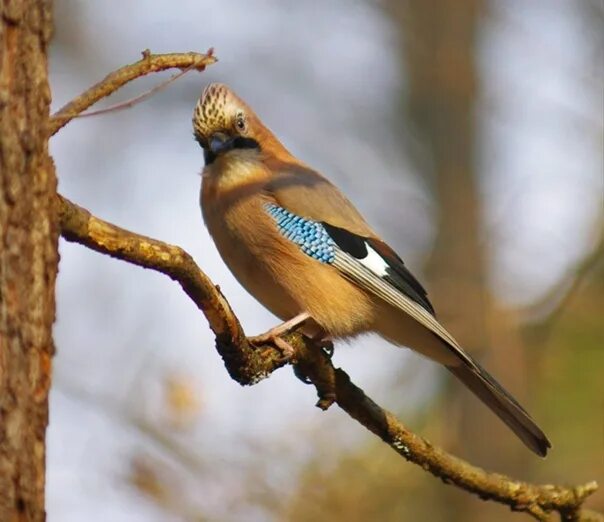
x: 296, y: 243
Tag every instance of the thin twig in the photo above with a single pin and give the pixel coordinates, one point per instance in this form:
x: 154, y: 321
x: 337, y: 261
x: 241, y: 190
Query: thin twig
x: 113, y: 81
x: 127, y: 104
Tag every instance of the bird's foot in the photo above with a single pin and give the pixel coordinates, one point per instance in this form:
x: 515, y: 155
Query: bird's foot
x: 283, y: 346
x: 275, y: 340
x: 273, y: 336
x: 281, y: 329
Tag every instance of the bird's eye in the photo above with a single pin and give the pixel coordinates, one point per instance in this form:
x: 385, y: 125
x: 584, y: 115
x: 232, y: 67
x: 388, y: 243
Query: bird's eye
x: 240, y: 122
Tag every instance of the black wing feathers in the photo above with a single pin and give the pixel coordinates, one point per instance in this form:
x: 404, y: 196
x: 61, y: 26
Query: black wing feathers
x: 400, y: 276
x: 397, y: 273
x: 351, y: 243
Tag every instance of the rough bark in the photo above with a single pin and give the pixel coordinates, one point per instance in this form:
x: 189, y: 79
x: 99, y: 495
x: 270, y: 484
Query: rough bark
x: 28, y: 256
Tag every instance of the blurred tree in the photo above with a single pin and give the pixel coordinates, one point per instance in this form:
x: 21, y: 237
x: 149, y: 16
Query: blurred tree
x: 567, y: 343
x: 438, y: 42
x: 28, y: 257
x: 439, y: 47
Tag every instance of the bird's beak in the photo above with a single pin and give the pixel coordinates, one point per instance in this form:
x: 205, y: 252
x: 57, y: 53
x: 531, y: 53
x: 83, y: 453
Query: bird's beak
x: 219, y: 142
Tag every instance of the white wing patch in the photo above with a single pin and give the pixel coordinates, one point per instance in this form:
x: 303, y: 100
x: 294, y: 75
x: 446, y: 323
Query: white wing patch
x: 374, y: 262
x: 366, y: 278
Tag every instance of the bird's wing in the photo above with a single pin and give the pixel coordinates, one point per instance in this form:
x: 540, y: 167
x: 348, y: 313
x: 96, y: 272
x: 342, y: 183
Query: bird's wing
x: 306, y: 193
x: 306, y: 203
x: 381, y: 261
x: 313, y: 214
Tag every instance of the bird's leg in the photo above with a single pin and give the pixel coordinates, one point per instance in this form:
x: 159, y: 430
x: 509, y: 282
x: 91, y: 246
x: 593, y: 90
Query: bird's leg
x: 286, y: 327
x: 274, y: 334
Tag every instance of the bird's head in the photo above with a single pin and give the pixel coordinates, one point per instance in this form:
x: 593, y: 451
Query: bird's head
x: 223, y: 123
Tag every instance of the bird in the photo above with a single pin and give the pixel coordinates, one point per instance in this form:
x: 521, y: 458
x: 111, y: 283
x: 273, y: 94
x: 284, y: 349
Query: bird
x: 301, y: 248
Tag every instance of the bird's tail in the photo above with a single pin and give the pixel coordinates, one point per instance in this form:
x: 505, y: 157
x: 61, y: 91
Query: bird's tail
x: 491, y: 393
x: 405, y: 330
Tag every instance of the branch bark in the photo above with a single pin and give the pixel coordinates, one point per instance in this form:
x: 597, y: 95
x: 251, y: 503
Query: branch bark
x: 112, y: 82
x: 248, y: 364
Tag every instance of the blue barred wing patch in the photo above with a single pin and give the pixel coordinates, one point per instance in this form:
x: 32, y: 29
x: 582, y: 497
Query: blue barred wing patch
x: 309, y: 235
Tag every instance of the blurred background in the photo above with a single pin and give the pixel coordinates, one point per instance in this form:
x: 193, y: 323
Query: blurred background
x: 469, y: 134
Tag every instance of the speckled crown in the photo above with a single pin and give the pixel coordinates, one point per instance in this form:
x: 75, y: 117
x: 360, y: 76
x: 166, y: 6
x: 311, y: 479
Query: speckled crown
x: 210, y: 112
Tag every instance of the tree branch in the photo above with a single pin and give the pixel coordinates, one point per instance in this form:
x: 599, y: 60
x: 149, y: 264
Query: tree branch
x: 113, y: 81
x: 248, y: 364
x: 245, y: 364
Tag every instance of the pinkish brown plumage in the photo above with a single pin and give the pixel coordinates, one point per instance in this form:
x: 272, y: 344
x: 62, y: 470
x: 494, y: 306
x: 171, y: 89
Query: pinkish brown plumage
x: 298, y: 245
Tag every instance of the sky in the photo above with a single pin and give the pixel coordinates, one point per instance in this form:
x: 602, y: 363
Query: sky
x: 324, y: 77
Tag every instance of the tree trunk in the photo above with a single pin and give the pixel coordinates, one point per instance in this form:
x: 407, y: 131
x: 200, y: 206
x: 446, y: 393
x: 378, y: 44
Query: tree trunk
x: 28, y: 256
x: 439, y: 46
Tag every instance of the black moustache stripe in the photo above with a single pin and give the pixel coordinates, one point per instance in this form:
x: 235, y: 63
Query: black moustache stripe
x: 239, y: 143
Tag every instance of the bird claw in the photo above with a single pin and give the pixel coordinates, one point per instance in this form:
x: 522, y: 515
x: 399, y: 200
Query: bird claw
x: 284, y: 347
x: 259, y: 340
x: 273, y: 336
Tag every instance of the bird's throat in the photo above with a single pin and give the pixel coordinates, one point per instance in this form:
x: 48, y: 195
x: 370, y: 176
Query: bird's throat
x: 234, y: 170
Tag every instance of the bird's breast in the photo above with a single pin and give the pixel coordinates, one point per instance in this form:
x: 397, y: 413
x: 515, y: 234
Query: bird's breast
x: 239, y: 239
x: 276, y: 272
